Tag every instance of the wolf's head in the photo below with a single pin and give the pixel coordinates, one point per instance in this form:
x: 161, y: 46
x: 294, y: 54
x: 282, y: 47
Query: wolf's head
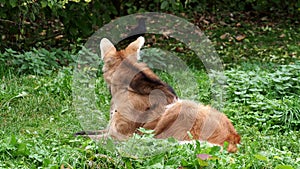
x: 122, y: 71
x: 113, y: 58
x: 109, y: 51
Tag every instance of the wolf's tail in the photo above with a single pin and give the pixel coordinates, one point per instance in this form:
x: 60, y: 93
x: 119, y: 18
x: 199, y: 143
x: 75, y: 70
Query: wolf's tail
x: 87, y: 133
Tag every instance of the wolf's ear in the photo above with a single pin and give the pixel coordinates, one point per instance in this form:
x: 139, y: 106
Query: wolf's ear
x: 134, y: 47
x: 106, y: 47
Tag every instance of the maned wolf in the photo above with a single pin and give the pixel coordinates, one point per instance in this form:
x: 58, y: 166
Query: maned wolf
x: 141, y: 99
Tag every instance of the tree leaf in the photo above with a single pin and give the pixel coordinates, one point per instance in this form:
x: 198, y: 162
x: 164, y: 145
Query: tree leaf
x: 164, y: 5
x: 44, y: 4
x: 13, y: 3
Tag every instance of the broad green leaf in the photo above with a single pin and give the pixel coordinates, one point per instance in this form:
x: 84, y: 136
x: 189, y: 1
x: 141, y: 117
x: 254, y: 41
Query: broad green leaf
x: 203, y: 163
x: 32, y: 16
x: 172, y: 140
x: 44, y: 3
x: 184, y: 162
x: 13, y: 140
x: 22, y: 149
x: 226, y: 144
x: 215, y: 149
x: 13, y: 3
x: 164, y: 5
x: 260, y: 157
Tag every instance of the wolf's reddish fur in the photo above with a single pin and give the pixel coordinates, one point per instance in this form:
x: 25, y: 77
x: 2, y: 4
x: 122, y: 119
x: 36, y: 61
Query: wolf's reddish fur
x: 203, y: 122
x: 141, y: 99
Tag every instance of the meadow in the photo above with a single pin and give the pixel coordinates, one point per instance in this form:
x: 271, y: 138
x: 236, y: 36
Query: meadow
x: 262, y: 100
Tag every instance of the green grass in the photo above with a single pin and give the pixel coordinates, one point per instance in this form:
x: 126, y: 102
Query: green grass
x: 38, y: 122
x: 262, y: 100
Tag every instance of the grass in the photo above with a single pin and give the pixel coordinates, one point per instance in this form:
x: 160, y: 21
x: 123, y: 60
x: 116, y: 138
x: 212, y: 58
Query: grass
x: 37, y: 128
x: 262, y: 100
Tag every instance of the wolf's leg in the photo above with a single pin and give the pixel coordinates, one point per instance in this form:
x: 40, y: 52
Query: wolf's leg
x: 166, y: 121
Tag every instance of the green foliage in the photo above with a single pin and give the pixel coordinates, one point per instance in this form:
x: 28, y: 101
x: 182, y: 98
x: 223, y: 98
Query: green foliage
x: 175, y: 6
x: 35, y: 153
x: 38, y: 122
x: 36, y: 62
x: 60, y: 86
x: 276, y: 82
x: 50, y: 23
x: 270, y: 96
x: 60, y: 23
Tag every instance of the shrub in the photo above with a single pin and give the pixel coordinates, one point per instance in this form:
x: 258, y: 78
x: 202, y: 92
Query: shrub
x: 37, y: 62
x: 56, y: 23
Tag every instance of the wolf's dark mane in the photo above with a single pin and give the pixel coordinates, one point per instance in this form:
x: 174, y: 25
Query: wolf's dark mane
x: 146, y: 80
